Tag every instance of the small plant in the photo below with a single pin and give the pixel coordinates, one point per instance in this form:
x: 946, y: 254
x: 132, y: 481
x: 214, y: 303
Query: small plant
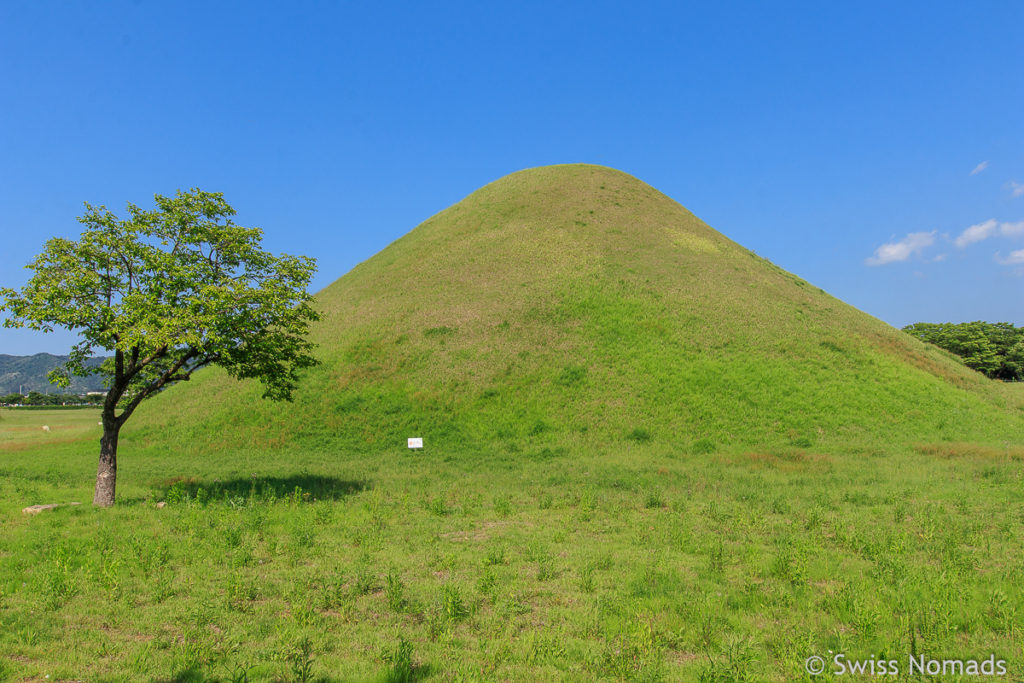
x: 59, y: 584
x: 334, y: 592
x: 503, y: 506
x: 301, y: 661
x: 716, y: 558
x: 545, y: 569
x: 303, y: 612
x: 163, y: 586
x: 437, y: 507
x: 297, y: 496
x: 513, y: 606
x: 236, y: 673
x: 703, y: 446
x: 487, y: 582
x: 653, y: 500
x: 111, y: 577
x: 571, y: 375
x: 394, y: 593
x: 495, y: 556
x: 640, y: 435
x: 176, y: 494
x: 585, y: 579
x: 323, y: 513
x: 365, y: 581
x: 398, y: 657
x: 232, y: 537
x: 239, y: 593
x: 732, y: 665
x: 303, y: 533
x: 899, y: 512
x: 453, y: 608
x: 634, y: 656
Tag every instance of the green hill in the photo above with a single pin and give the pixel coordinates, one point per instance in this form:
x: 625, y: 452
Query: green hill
x: 28, y: 373
x: 575, y: 307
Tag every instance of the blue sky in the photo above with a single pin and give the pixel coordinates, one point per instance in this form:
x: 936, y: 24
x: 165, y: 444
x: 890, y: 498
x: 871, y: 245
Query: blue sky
x: 854, y: 144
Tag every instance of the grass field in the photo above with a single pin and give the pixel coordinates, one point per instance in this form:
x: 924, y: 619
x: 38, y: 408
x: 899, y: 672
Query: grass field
x: 644, y: 562
x: 23, y: 429
x: 650, y: 455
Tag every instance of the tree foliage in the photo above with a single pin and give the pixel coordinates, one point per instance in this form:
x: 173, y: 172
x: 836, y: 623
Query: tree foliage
x: 166, y: 292
x: 996, y: 349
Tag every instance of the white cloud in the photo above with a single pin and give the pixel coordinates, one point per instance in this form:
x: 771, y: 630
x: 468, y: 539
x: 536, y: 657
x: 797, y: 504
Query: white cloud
x: 893, y: 252
x: 979, y: 168
x: 1010, y: 229
x: 940, y: 258
x: 989, y: 228
x: 1016, y: 189
x: 1015, y: 258
x: 976, y: 233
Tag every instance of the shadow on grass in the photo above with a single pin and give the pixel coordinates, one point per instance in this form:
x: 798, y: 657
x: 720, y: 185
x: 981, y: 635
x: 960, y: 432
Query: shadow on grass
x: 194, y: 675
x: 297, y: 488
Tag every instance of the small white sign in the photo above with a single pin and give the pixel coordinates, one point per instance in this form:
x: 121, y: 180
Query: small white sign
x: 416, y: 443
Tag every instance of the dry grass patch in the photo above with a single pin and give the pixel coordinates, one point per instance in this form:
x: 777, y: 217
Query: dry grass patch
x: 970, y: 450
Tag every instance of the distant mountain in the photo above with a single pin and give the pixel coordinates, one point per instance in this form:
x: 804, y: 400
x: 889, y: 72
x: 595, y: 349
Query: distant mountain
x: 28, y: 373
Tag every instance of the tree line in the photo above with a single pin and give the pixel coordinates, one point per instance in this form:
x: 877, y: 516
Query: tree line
x: 35, y: 398
x: 996, y: 349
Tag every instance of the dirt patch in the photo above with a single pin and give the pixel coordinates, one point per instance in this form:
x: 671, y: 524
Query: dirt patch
x: 970, y: 450
x: 789, y: 461
x: 481, y: 534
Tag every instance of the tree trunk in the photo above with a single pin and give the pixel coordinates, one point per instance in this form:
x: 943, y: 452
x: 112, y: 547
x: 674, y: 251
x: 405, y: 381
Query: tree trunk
x: 106, y: 474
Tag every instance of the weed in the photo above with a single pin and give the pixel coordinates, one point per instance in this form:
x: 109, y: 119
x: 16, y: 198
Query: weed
x: 394, y: 593
x: 495, y: 555
x: 653, y: 500
x: 640, y: 435
x: 503, y: 506
x: 487, y: 582
x: 453, y: 608
x: 365, y: 581
x: 437, y: 507
x: 545, y: 569
x: 585, y: 579
x: 335, y: 592
x: 703, y: 446
x: 163, y: 585
x: 732, y: 665
x: 398, y: 657
x: 300, y: 660
x: 572, y: 375
x: 716, y: 557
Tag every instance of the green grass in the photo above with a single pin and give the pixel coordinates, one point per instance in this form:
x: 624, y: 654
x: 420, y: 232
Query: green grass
x: 650, y: 455
x: 22, y: 428
x: 647, y: 563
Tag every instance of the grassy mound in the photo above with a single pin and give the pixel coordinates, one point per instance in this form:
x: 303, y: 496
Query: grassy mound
x: 574, y: 307
x: 562, y: 339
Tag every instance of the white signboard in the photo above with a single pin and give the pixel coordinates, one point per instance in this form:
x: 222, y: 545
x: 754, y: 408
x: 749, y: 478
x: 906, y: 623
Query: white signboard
x: 416, y: 443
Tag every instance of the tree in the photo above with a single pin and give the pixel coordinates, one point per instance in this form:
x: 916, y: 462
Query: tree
x: 996, y: 349
x: 168, y: 291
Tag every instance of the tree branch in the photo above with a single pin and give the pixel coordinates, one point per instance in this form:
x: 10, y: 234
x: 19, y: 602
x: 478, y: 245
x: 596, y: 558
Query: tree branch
x: 169, y: 375
x: 137, y: 368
